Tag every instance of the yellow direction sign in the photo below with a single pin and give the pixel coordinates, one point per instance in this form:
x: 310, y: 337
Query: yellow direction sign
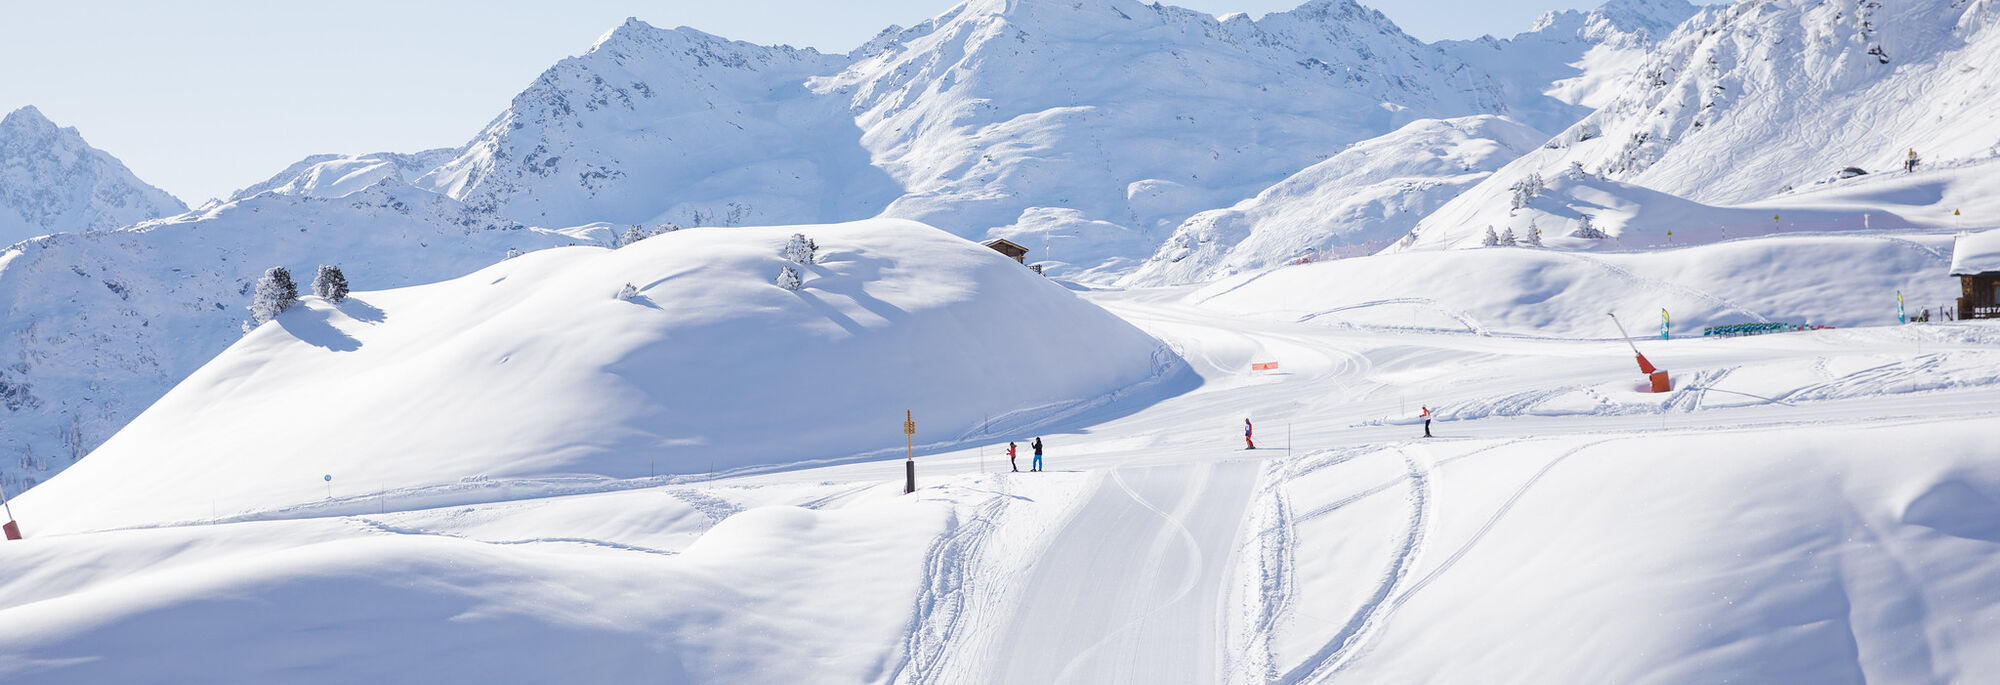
x: 909, y: 424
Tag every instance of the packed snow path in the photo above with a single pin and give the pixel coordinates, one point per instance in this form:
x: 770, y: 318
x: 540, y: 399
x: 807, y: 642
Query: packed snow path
x: 1135, y: 573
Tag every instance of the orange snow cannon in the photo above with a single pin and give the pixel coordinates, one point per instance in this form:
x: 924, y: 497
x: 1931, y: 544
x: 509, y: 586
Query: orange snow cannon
x: 1655, y: 375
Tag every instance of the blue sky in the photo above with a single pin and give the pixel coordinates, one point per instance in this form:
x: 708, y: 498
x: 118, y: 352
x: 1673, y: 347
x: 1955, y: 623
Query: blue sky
x: 201, y: 98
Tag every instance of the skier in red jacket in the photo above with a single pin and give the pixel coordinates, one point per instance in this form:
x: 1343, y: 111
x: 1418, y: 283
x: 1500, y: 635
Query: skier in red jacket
x: 1010, y: 458
x: 1248, y: 444
x: 1427, y: 422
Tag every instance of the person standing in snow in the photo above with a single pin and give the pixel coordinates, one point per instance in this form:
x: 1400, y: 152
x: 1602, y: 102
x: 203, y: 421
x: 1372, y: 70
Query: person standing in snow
x: 1911, y: 163
x: 1427, y: 422
x: 1248, y: 444
x: 1010, y: 458
x: 1037, y: 446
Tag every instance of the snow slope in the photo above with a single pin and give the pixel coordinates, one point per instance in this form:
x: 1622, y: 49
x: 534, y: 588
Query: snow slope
x: 1356, y: 202
x: 534, y: 368
x: 99, y: 325
x: 51, y: 181
x: 1836, y: 280
x: 1807, y: 507
x: 1756, y: 103
x: 1572, y: 61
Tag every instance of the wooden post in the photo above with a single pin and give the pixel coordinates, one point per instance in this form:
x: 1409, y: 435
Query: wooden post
x: 910, y: 451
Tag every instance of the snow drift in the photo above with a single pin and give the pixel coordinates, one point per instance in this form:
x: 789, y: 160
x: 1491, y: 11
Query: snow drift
x: 535, y: 367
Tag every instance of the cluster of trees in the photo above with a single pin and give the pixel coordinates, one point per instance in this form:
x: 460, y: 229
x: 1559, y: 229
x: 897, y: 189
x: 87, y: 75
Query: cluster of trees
x: 801, y: 251
x: 277, y: 292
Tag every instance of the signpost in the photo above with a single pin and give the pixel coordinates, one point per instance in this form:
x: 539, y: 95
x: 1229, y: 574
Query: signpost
x: 329, y: 486
x: 910, y: 448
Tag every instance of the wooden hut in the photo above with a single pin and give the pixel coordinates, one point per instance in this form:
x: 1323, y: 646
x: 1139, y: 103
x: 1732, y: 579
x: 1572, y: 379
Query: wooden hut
x: 1009, y: 248
x: 1975, y: 260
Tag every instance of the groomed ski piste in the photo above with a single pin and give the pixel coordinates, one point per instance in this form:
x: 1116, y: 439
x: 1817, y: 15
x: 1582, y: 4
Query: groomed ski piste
x: 535, y: 480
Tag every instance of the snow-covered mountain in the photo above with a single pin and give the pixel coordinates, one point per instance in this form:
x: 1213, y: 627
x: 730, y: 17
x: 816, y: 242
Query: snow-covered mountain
x: 1095, y: 127
x: 51, y: 181
x: 655, y: 125
x: 1572, y: 61
x: 1355, y: 203
x: 1749, y: 102
x: 334, y: 175
x: 98, y: 325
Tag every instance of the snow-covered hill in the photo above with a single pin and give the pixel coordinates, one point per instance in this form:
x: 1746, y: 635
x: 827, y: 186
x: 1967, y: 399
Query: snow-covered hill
x: 536, y: 368
x: 51, y: 181
x: 1355, y: 203
x: 99, y: 325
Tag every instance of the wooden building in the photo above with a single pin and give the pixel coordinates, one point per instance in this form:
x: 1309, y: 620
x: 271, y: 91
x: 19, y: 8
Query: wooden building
x: 1975, y: 260
x: 1009, y: 248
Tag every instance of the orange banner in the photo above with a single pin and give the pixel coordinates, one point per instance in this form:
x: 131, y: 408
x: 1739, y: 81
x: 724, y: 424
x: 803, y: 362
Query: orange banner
x: 1263, y: 366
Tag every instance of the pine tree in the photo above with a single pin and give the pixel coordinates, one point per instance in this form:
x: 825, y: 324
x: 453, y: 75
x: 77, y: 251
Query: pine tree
x: 633, y: 235
x: 1527, y: 190
x: 275, y: 293
x: 1507, y: 238
x: 628, y: 292
x: 329, y: 283
x: 1586, y: 228
x: 512, y: 252
x: 666, y: 228
x: 801, y: 250
x: 1534, y: 235
x: 789, y: 279
x: 1492, y: 239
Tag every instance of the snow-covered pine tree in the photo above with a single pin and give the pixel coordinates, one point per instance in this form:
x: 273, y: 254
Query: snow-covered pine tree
x: 275, y: 293
x: 801, y: 250
x: 1534, y: 235
x: 789, y: 279
x: 633, y: 235
x: 512, y: 252
x: 628, y: 292
x: 666, y: 228
x: 1586, y: 228
x: 329, y: 283
x: 1527, y: 190
x: 1492, y: 239
x: 1507, y: 238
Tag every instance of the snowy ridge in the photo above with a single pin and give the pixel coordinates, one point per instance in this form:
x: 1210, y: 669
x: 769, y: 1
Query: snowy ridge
x: 334, y: 175
x: 1355, y: 203
x: 1160, y: 112
x: 51, y: 181
x: 680, y: 126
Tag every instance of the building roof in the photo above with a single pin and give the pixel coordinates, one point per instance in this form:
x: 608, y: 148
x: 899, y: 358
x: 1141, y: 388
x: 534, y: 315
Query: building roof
x: 1976, y: 253
x: 998, y: 243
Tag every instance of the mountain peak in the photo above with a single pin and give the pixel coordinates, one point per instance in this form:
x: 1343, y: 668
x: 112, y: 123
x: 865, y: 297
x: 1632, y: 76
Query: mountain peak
x: 57, y: 183
x: 27, y: 118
